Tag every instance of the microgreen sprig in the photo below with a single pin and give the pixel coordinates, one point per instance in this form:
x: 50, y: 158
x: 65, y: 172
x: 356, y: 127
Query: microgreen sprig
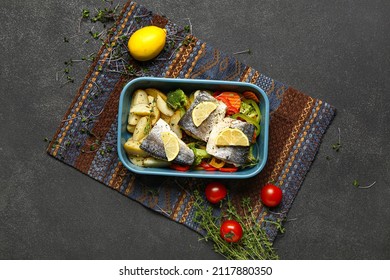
x: 248, y: 51
x: 356, y: 184
x: 337, y: 146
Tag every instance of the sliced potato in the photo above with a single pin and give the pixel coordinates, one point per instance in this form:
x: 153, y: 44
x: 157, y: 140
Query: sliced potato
x: 130, y: 128
x: 149, y: 162
x: 132, y: 148
x: 137, y: 160
x: 166, y: 118
x: 153, y: 162
x: 139, y: 97
x: 141, y: 109
x: 163, y: 107
x: 174, y: 123
x: 133, y: 119
x: 196, y: 93
x: 142, y: 128
x: 155, y: 115
x: 155, y: 92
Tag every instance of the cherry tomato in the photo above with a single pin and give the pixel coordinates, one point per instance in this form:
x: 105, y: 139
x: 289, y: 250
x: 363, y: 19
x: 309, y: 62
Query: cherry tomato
x: 179, y: 167
x: 207, y: 166
x: 271, y: 195
x: 215, y: 192
x: 231, y: 231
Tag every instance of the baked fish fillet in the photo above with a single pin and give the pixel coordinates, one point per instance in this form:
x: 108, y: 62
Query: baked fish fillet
x: 202, y: 132
x: 236, y: 155
x: 154, y: 146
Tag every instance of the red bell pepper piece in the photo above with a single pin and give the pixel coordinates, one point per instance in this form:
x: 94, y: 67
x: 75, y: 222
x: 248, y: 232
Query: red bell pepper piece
x: 207, y: 166
x: 228, y: 169
x: 179, y: 167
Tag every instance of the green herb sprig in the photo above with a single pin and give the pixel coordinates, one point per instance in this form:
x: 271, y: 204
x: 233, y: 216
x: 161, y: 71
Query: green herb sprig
x: 254, y: 245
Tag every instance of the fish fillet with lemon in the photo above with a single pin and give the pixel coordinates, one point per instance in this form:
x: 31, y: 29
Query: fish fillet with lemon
x: 162, y: 143
x: 204, y: 113
x: 230, y: 141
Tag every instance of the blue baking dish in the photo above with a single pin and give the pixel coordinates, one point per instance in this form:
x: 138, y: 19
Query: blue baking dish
x: 188, y: 86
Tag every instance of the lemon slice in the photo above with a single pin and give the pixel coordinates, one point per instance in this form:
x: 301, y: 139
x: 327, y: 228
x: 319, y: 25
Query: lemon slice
x: 231, y: 137
x: 202, y: 111
x: 171, y: 145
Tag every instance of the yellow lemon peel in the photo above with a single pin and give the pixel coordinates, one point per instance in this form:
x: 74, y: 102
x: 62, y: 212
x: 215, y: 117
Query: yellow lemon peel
x: 201, y: 112
x: 232, y: 137
x: 146, y: 43
x: 171, y: 145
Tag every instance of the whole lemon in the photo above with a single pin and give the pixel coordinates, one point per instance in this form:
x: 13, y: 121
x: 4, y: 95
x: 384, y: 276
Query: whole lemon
x: 146, y: 43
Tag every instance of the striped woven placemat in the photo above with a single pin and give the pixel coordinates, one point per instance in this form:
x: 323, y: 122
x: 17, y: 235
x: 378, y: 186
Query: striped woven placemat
x: 86, y: 138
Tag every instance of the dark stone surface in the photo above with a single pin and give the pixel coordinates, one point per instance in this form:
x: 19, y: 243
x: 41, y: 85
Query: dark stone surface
x: 334, y: 50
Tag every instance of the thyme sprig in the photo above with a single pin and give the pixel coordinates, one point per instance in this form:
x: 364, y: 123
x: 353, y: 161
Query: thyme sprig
x: 254, y: 245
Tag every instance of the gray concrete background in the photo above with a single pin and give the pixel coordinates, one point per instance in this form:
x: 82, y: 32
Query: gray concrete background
x: 338, y: 51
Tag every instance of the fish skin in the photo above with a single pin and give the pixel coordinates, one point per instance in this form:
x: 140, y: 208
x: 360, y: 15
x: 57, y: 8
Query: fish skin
x: 231, y: 154
x: 154, y: 146
x: 203, y: 131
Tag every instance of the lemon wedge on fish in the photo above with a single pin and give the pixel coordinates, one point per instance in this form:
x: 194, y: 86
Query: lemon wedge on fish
x: 171, y: 145
x: 201, y: 112
x: 231, y: 137
x: 146, y: 43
